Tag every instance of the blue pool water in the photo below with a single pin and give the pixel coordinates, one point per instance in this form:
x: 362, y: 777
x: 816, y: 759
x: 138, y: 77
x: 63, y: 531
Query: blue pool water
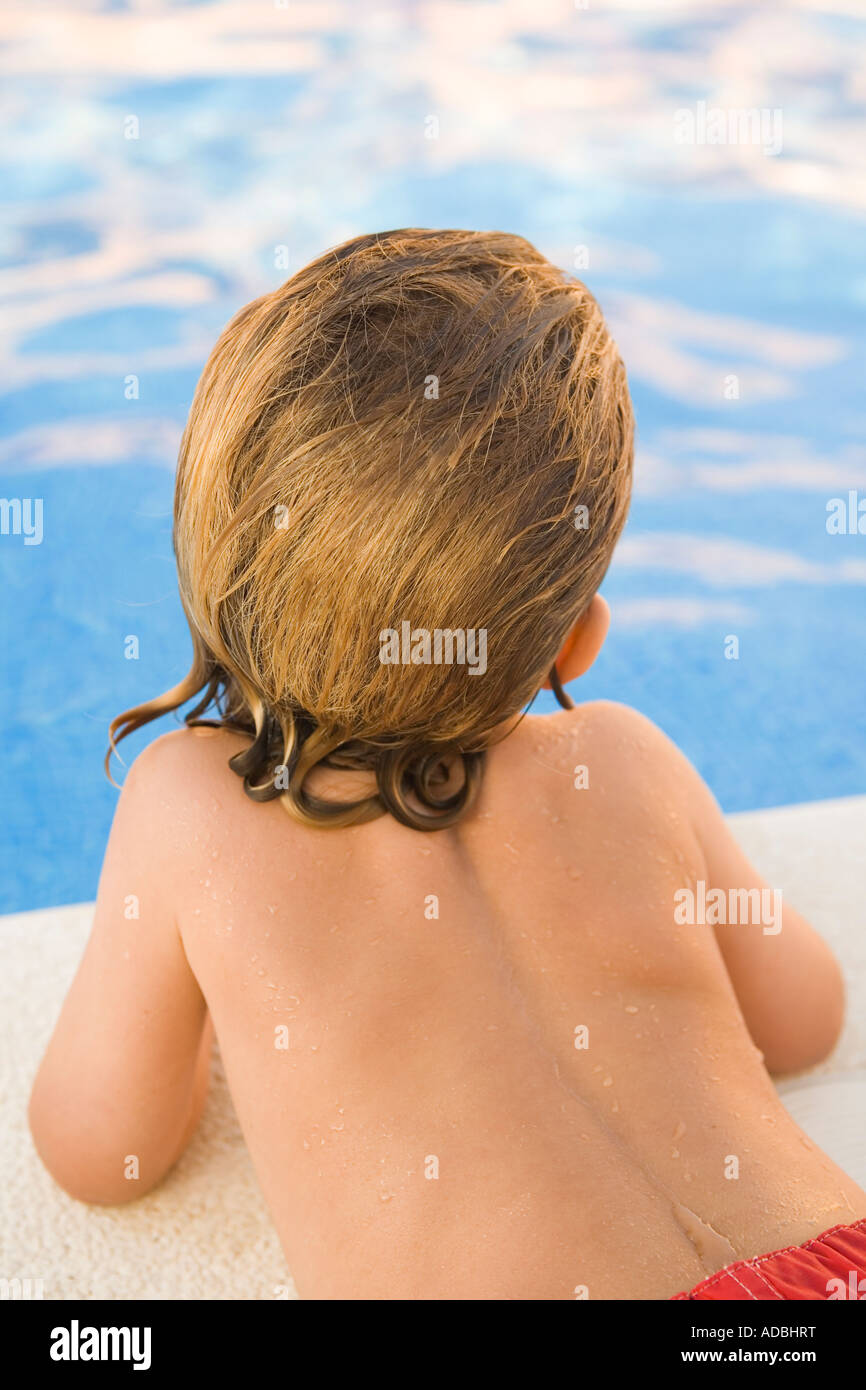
x: 123, y: 257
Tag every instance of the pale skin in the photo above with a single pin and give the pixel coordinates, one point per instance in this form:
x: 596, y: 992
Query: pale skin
x: 431, y: 1130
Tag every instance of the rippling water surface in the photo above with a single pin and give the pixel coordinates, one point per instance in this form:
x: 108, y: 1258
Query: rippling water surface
x: 162, y: 163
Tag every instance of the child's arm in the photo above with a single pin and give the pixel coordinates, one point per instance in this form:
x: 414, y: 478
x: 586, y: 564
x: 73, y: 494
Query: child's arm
x: 788, y: 983
x: 123, y: 1082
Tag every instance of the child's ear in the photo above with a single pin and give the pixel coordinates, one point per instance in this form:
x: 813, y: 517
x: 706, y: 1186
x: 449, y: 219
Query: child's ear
x: 584, y: 642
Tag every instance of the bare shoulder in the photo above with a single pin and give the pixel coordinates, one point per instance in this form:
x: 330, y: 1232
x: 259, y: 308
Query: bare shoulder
x: 181, y: 804
x: 628, y: 771
x: 202, y: 749
x: 175, y: 770
x: 614, y: 738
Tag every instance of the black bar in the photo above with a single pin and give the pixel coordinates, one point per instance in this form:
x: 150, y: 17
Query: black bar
x: 252, y: 1338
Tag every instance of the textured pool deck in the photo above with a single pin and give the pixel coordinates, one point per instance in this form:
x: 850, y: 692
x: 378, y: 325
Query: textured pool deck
x: 205, y: 1233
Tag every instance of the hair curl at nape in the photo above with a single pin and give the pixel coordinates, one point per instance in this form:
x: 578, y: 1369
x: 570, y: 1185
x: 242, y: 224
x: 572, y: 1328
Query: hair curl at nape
x: 410, y: 778
x: 284, y: 750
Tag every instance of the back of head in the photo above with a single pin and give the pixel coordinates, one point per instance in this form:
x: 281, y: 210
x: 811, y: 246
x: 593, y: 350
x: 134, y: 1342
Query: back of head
x: 380, y: 478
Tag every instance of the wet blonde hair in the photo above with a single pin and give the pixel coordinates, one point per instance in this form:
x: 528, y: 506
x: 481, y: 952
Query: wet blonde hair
x: 401, y: 432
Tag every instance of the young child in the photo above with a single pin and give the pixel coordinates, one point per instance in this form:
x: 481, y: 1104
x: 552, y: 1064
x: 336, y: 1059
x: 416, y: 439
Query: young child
x: 478, y: 1046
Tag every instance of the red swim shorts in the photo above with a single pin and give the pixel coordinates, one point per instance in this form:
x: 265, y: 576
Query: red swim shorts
x: 832, y: 1266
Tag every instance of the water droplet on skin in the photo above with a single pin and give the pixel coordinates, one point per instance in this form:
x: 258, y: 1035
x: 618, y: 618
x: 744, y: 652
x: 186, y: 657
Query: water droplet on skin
x: 675, y: 1153
x: 385, y: 1196
x: 631, y: 1009
x: 608, y: 1081
x: 338, y: 1125
x: 679, y: 1131
x: 713, y: 1250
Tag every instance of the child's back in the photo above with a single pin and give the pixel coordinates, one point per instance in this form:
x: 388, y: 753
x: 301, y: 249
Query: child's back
x: 487, y: 1063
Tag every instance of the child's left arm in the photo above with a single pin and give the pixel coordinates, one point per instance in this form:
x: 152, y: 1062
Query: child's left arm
x: 123, y: 1082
